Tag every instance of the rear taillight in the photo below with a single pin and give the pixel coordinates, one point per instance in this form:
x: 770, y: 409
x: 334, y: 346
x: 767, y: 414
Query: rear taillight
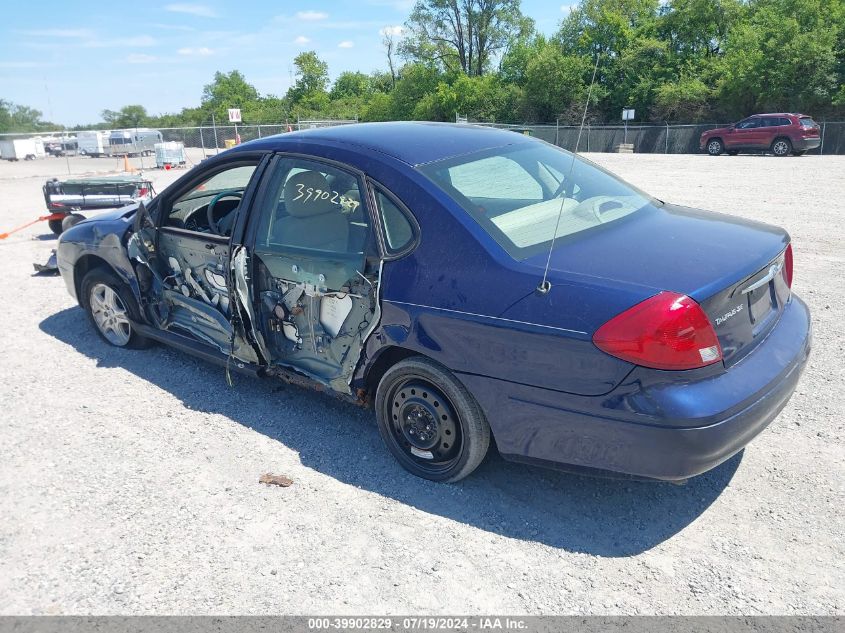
x: 142, y: 193
x: 667, y: 331
x: 787, y: 265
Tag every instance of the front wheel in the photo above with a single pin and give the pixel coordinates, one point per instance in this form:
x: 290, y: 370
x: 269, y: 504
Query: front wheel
x: 781, y: 147
x: 715, y: 147
x: 111, y: 308
x: 430, y: 422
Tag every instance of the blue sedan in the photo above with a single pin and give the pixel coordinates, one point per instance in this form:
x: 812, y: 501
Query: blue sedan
x: 469, y: 284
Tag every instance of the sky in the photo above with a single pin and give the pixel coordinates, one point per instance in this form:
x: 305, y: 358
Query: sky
x: 71, y: 60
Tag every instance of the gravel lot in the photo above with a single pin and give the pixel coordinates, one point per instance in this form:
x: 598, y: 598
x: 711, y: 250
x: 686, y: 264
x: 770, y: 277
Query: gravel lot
x: 129, y: 480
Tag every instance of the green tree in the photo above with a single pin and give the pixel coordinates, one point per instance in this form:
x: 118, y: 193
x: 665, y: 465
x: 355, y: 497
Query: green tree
x: 127, y: 117
x: 784, y: 57
x: 351, y: 84
x: 554, y: 84
x: 685, y: 101
x: 462, y: 35
x: 227, y: 90
x: 414, y: 83
x: 20, y: 118
x: 312, y: 78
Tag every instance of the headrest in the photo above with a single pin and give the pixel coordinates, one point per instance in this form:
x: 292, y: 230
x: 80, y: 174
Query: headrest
x: 302, y: 203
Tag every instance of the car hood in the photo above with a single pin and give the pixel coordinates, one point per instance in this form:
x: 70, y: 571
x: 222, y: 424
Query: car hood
x: 718, y: 130
x: 666, y: 247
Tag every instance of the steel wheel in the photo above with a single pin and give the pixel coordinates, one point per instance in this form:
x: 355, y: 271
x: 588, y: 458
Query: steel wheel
x: 110, y: 315
x: 781, y: 147
x: 430, y: 422
x: 423, y: 423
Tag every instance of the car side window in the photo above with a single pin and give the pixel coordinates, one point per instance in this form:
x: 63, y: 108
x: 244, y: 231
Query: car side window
x: 222, y: 191
x: 311, y: 206
x: 495, y: 177
x: 398, y: 229
x: 748, y: 124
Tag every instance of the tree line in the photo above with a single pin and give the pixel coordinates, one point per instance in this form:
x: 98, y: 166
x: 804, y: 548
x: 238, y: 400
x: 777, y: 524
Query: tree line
x: 676, y: 61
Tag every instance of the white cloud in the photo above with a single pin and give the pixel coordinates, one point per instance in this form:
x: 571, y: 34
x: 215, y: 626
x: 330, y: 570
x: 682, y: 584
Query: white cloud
x: 138, y: 58
x: 301, y: 40
x: 346, y: 44
x: 201, y: 10
x: 311, y: 16
x: 392, y: 30
x: 202, y: 51
x: 71, y: 33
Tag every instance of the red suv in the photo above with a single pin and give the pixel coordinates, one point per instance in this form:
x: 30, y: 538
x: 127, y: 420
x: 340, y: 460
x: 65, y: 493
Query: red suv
x: 781, y: 134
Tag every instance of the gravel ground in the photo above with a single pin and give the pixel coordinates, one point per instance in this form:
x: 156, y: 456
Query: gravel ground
x: 129, y: 480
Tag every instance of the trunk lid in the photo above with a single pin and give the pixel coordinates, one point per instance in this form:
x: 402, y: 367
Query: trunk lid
x: 734, y: 268
x: 745, y: 312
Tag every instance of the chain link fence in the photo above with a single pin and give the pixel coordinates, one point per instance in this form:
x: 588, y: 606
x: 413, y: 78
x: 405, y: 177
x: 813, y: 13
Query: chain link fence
x: 208, y: 140
x: 654, y: 139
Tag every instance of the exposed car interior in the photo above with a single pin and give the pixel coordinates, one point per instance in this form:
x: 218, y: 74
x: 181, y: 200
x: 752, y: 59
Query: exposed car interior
x: 315, y: 270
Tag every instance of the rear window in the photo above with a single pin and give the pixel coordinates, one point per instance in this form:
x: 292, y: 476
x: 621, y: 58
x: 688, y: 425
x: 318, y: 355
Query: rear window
x: 808, y: 122
x: 524, y: 195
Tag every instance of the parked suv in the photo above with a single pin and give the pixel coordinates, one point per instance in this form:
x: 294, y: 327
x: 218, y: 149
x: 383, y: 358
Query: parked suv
x: 781, y: 134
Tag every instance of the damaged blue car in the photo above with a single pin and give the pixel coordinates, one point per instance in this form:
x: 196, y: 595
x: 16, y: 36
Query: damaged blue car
x: 469, y: 284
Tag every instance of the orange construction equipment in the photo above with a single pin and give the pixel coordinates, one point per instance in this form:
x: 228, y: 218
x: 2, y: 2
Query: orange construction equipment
x: 43, y: 218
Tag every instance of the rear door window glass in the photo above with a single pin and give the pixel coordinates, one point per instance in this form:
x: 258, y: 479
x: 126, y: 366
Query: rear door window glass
x: 398, y: 230
x: 312, y: 206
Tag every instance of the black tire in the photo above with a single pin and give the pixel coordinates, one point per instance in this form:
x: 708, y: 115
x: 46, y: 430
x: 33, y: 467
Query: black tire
x: 781, y: 146
x: 71, y: 220
x: 715, y: 146
x: 799, y: 153
x: 732, y: 152
x: 430, y: 422
x: 95, y: 281
x: 56, y: 226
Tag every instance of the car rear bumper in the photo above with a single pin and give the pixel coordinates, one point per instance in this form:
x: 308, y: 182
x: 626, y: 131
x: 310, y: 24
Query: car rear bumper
x: 806, y: 144
x: 669, y: 430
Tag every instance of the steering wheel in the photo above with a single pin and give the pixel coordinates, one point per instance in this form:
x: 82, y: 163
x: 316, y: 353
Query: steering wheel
x: 212, y: 223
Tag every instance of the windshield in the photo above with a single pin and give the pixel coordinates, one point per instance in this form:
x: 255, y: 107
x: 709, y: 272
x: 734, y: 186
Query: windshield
x: 807, y: 122
x: 519, y: 194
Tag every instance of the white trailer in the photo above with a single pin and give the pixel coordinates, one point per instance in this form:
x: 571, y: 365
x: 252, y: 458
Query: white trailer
x: 21, y: 149
x: 92, y: 143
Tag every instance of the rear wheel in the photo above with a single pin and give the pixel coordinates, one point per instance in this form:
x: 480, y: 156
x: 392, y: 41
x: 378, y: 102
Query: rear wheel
x: 781, y: 147
x: 715, y: 147
x: 56, y: 225
x: 430, y: 422
x: 111, y: 308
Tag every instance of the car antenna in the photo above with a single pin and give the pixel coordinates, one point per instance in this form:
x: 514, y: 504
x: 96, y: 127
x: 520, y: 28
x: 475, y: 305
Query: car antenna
x: 545, y: 284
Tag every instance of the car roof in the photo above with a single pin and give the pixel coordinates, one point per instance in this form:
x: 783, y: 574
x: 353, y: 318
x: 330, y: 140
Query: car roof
x: 412, y: 142
x: 777, y: 114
